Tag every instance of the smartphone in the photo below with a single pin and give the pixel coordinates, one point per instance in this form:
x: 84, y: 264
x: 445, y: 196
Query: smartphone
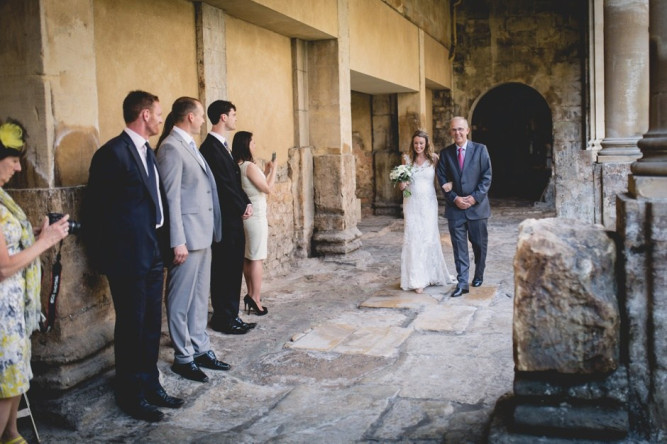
x: 273, y: 157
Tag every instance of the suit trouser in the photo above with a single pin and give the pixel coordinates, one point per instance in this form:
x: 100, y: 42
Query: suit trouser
x: 226, y: 276
x: 188, y: 286
x: 138, y: 304
x: 477, y: 233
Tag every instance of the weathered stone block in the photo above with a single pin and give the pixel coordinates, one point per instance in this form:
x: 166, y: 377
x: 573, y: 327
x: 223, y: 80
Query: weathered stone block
x: 74, y: 350
x: 566, y: 316
x: 548, y: 385
x: 614, y: 181
x: 574, y: 421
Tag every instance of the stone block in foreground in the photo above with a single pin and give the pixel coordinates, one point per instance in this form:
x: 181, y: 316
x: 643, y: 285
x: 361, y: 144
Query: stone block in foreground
x: 566, y: 316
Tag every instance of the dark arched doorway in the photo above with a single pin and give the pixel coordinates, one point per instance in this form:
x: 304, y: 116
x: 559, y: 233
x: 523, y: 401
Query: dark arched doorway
x: 514, y: 122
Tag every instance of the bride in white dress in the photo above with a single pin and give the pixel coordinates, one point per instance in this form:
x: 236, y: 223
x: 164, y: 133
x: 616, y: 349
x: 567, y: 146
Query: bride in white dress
x: 422, y: 261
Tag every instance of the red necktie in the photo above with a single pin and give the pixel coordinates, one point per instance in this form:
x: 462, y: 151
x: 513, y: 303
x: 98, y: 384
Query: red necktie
x: 461, y: 158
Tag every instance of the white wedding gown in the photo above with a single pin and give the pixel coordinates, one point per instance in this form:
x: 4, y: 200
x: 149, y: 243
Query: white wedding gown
x: 422, y: 261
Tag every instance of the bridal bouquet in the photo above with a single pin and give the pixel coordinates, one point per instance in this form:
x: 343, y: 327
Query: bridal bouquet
x: 401, y: 173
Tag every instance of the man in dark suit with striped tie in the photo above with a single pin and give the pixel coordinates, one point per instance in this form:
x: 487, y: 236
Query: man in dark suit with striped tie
x: 124, y: 214
x: 467, y: 166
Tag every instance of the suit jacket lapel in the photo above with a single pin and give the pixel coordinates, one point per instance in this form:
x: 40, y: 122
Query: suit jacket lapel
x: 188, y: 149
x: 134, y: 153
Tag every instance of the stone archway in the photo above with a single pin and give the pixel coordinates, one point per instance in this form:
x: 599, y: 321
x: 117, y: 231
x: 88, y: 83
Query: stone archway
x: 515, y: 123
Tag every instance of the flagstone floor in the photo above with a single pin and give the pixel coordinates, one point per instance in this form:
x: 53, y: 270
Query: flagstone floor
x: 344, y: 356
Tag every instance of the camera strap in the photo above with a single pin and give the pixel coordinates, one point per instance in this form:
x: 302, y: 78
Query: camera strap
x: 56, y: 269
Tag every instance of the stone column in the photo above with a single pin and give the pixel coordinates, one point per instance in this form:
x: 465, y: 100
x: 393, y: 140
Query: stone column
x: 596, y: 73
x: 211, y: 56
x: 412, y: 106
x: 301, y: 156
x: 386, y: 154
x: 48, y: 81
x: 626, y: 86
x: 643, y: 226
x: 337, y: 210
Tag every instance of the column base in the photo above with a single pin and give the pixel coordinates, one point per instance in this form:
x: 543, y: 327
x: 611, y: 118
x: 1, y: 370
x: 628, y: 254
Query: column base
x: 648, y: 187
x: 619, y: 150
x: 336, y: 242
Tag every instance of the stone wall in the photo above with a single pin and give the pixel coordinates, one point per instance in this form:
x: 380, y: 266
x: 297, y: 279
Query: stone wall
x: 542, y: 45
x: 64, y: 356
x: 280, y: 216
x: 362, y: 147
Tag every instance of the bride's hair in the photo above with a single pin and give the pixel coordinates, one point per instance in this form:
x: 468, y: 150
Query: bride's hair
x: 428, y: 150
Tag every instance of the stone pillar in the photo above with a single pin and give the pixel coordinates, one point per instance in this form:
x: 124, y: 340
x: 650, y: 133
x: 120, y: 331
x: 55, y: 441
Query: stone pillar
x: 337, y: 209
x: 654, y: 143
x: 596, y: 74
x: 412, y: 106
x: 386, y: 154
x: 626, y: 98
x: 301, y: 157
x: 211, y: 56
x: 642, y: 223
x: 48, y: 81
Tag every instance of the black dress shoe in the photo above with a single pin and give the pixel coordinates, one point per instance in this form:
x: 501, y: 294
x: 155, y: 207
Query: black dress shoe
x: 160, y: 398
x: 477, y: 282
x: 191, y: 371
x: 246, y: 325
x: 208, y: 360
x: 229, y: 329
x: 459, y: 292
x: 142, y: 410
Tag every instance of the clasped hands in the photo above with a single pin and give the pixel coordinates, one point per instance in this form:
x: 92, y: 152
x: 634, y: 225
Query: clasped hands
x: 464, y: 202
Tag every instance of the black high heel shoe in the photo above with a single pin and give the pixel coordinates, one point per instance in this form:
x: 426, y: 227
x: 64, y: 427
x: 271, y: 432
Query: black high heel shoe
x: 250, y: 304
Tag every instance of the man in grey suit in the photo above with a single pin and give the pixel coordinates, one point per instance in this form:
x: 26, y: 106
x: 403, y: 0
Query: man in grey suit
x: 467, y: 166
x: 195, y: 222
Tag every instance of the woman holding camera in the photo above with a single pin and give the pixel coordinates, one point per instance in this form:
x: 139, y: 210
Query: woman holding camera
x: 257, y: 185
x: 20, y: 281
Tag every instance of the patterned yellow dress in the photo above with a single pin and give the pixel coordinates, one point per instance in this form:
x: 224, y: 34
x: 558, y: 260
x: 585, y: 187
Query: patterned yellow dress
x: 15, y: 371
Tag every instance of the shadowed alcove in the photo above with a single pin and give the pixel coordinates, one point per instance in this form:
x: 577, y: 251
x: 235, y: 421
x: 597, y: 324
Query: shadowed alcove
x: 514, y: 122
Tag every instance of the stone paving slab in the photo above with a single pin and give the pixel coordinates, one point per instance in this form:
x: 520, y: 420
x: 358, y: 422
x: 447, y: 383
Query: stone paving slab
x: 399, y: 299
x: 450, y: 318
x: 466, y: 345
x: 322, y: 338
x: 372, y: 318
x: 374, y: 341
x: 231, y: 403
x: 310, y: 414
x: 427, y: 420
x: 463, y: 379
x: 478, y: 296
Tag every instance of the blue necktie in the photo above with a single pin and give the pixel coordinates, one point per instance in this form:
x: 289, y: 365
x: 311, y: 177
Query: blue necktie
x: 152, y: 182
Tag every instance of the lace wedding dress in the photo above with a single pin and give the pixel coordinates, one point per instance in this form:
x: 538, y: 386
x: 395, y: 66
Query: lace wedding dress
x: 422, y: 261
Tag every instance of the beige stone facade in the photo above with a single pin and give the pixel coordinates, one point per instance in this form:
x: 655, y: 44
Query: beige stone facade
x: 336, y: 89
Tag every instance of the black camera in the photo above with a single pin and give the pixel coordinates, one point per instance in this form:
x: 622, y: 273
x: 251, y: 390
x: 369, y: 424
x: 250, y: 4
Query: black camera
x: 74, y: 226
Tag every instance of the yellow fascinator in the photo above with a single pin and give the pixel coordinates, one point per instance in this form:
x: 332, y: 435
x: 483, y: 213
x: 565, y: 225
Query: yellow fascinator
x: 12, y: 135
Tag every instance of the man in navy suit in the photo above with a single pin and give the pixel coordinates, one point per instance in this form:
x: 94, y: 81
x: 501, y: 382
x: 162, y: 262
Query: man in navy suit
x: 123, y: 214
x: 467, y: 166
x: 235, y: 206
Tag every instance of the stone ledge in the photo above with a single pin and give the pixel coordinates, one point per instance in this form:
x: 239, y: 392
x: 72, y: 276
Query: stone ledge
x: 573, y: 421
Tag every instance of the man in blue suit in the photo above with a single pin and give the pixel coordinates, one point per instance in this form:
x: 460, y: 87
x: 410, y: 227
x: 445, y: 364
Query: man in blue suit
x: 467, y: 166
x: 124, y: 214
